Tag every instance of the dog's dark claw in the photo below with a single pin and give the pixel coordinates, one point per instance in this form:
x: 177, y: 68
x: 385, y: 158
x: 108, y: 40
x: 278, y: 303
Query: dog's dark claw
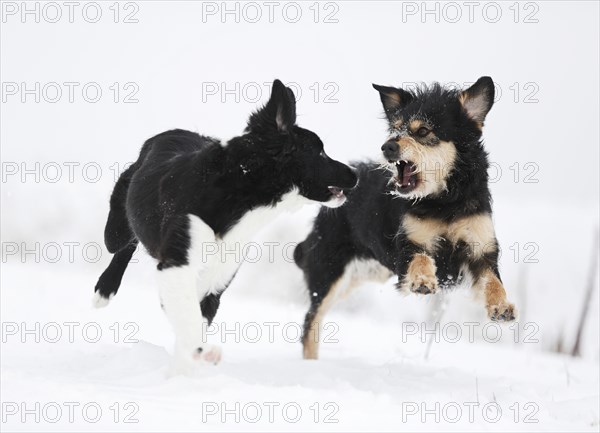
x: 504, y: 314
x: 507, y: 316
x: 423, y: 289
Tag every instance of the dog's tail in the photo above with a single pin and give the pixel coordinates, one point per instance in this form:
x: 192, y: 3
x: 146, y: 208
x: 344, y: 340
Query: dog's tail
x: 118, y: 236
x: 117, y: 233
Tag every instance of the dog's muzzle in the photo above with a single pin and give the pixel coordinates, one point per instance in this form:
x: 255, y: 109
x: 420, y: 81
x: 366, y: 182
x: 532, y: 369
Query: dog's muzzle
x: 391, y: 151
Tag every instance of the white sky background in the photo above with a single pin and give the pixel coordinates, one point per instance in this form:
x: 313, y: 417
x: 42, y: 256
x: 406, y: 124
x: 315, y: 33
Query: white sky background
x: 171, y: 52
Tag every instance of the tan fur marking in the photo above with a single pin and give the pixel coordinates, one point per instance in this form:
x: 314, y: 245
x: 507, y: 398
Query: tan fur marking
x: 494, y: 291
x: 421, y: 272
x: 433, y: 163
x: 423, y: 232
x: 498, y: 308
x: 356, y: 272
x: 415, y: 124
x: 471, y: 106
x: 311, y: 342
x: 394, y: 97
x: 477, y: 231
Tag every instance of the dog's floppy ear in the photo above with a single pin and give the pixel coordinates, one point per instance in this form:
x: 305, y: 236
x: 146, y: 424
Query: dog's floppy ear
x: 478, y: 99
x: 392, y: 98
x: 279, y: 113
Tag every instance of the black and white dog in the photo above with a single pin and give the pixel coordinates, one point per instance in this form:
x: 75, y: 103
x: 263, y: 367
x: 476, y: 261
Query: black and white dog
x: 426, y: 219
x: 187, y: 190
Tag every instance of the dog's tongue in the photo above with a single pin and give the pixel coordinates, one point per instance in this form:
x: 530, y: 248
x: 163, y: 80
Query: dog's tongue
x: 404, y: 173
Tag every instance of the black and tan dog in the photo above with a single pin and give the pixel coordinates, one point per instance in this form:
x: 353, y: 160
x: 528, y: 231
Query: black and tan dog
x: 425, y: 218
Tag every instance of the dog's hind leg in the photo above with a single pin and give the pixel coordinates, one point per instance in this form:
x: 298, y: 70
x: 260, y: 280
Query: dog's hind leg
x: 119, y: 240
x: 110, y: 280
x: 323, y: 257
x: 323, y: 295
x: 355, y: 271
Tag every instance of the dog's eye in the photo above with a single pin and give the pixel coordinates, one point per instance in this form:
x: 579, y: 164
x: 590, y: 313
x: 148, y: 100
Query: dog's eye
x: 422, y: 131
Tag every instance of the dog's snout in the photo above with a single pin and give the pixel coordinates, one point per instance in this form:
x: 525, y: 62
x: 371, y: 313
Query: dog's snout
x: 347, y: 177
x: 391, y: 150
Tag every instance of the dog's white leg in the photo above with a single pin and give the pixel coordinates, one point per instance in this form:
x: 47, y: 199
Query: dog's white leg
x: 181, y: 303
x: 180, y: 297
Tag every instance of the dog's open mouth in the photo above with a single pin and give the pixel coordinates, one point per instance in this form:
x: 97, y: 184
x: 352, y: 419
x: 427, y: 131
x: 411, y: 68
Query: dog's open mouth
x: 406, y: 179
x: 336, y: 192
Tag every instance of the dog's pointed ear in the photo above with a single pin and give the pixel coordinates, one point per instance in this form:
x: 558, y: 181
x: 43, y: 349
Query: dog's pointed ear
x: 279, y: 112
x: 478, y: 99
x: 392, y: 98
x: 286, y: 110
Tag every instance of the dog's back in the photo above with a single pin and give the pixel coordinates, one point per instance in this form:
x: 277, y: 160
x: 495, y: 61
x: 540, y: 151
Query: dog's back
x: 365, y: 226
x: 166, y: 180
x: 139, y: 185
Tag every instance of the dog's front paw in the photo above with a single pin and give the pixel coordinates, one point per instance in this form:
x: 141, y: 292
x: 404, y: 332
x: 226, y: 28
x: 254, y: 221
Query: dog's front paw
x: 420, y: 277
x: 502, y: 312
x: 208, y: 353
x: 190, y: 362
x: 424, y: 284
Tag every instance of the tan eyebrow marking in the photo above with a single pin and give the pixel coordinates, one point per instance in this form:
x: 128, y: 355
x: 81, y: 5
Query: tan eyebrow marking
x: 415, y: 124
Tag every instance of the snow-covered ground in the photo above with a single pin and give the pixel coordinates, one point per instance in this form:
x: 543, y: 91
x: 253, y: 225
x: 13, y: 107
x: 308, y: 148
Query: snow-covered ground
x: 385, y: 364
x: 372, y: 375
x: 388, y: 362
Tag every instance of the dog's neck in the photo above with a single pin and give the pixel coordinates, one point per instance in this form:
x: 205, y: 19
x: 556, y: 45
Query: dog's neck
x: 254, y: 189
x: 260, y: 175
x: 467, y: 192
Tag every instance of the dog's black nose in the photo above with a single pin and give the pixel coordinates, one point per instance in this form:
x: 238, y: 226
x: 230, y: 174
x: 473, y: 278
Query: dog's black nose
x: 391, y: 150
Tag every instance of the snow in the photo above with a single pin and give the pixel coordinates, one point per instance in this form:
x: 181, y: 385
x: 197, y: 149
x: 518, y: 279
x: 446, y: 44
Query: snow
x: 381, y: 368
x: 375, y: 370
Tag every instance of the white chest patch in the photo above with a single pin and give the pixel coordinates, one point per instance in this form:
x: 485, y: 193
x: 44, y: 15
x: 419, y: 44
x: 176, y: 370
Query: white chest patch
x: 217, y: 259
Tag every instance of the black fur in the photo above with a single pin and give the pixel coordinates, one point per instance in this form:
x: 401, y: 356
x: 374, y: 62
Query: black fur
x: 179, y: 173
x: 369, y: 225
